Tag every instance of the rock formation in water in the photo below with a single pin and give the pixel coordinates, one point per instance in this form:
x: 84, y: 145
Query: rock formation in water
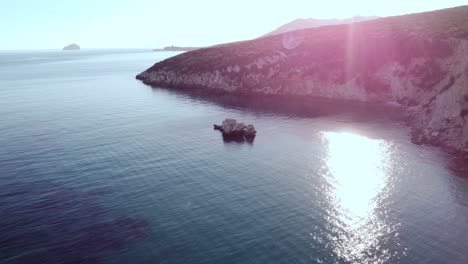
x: 419, y: 61
x: 230, y: 128
x: 72, y: 47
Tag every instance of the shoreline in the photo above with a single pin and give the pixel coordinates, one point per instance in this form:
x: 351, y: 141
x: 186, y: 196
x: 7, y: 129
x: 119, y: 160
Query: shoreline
x: 416, y: 61
x: 315, y: 106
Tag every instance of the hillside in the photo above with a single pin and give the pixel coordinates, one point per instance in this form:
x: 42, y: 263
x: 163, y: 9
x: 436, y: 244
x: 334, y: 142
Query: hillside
x: 313, y: 23
x: 419, y: 61
x: 176, y: 48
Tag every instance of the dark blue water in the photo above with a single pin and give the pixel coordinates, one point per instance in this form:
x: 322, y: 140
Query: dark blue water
x: 96, y: 167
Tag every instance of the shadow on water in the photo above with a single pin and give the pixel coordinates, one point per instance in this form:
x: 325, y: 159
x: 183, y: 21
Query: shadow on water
x: 46, y: 222
x: 459, y: 165
x: 309, y: 107
x: 293, y: 106
x: 238, y: 140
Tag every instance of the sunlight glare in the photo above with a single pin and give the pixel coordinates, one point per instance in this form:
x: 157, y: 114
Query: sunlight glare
x: 357, y: 174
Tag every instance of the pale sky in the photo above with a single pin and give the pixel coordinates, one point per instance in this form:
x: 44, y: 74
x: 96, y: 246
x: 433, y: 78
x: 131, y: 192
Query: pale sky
x: 52, y: 24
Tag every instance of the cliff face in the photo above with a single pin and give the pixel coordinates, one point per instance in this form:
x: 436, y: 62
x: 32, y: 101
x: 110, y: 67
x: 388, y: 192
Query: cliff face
x: 419, y: 61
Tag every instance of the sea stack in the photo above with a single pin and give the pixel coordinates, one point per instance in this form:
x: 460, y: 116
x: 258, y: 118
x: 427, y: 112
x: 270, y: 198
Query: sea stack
x: 231, y: 129
x: 72, y: 47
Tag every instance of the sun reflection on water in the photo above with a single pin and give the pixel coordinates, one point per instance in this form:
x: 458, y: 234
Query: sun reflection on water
x: 357, y: 174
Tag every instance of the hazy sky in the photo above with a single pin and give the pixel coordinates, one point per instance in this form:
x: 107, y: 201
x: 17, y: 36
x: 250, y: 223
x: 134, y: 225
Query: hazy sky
x: 45, y: 24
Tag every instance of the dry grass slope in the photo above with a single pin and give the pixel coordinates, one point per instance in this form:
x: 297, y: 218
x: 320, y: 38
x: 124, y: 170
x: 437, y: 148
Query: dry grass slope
x: 362, y: 47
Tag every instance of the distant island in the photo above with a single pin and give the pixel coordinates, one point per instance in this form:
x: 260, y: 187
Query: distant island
x: 72, y: 47
x: 175, y: 48
x: 417, y: 61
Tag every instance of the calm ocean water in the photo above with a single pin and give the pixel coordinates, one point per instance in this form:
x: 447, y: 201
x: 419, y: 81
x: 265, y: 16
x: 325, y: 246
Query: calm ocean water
x: 96, y: 167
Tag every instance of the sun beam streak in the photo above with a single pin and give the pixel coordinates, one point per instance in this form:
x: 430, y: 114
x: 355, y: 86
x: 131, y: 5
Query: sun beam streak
x: 349, y: 52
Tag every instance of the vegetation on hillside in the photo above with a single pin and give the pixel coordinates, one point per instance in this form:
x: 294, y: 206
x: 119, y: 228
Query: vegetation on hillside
x: 338, y: 53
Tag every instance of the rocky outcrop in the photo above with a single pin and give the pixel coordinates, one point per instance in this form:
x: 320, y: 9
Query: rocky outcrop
x: 418, y: 61
x: 231, y: 129
x: 72, y: 47
x: 438, y: 114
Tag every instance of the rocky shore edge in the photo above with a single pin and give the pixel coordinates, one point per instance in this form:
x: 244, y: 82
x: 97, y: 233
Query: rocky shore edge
x: 416, y: 61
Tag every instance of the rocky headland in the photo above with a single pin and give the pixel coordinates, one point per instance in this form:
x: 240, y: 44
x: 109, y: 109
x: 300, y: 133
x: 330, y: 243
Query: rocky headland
x: 418, y: 61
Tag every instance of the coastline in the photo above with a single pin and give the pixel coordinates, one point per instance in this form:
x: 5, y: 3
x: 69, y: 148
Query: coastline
x: 414, y: 61
x: 312, y: 107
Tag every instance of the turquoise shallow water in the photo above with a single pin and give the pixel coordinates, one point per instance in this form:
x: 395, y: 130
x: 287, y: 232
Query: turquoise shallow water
x: 96, y: 167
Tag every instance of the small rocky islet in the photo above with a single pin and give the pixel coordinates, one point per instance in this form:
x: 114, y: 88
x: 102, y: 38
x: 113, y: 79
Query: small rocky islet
x: 72, y: 46
x: 238, y: 131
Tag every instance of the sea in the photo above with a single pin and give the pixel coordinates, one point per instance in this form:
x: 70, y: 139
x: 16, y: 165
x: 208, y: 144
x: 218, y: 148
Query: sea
x: 97, y: 167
